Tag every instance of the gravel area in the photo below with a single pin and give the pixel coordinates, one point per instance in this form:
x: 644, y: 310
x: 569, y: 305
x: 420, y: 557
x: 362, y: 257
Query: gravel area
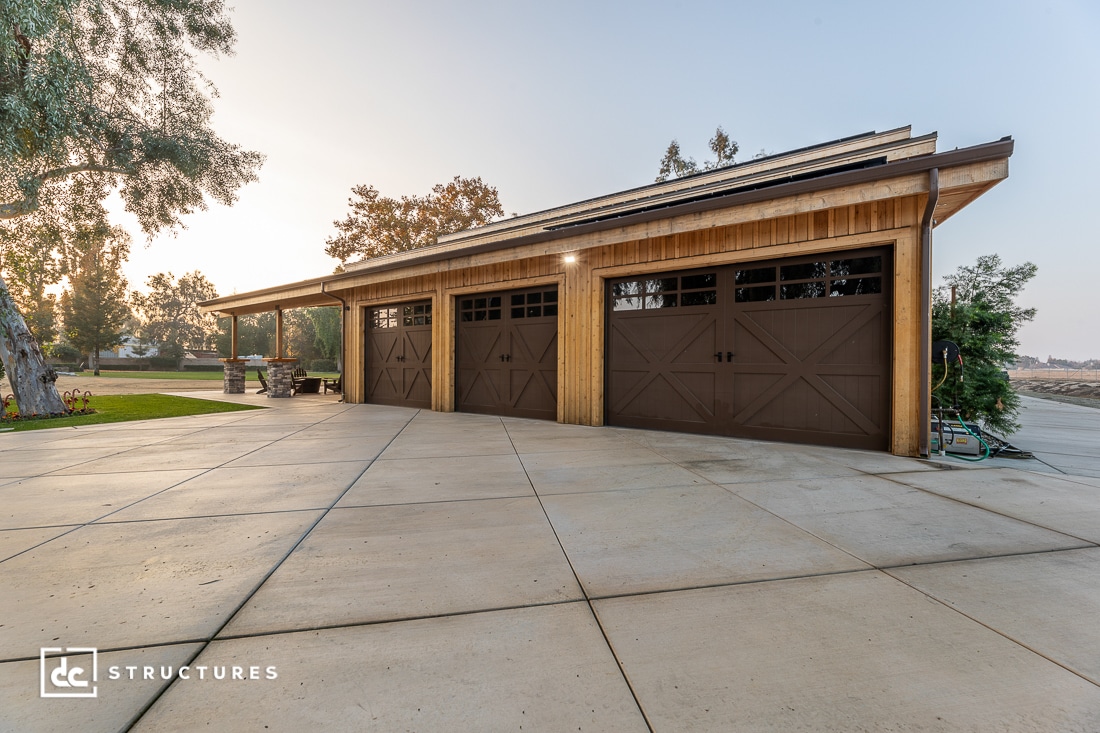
x: 122, y: 385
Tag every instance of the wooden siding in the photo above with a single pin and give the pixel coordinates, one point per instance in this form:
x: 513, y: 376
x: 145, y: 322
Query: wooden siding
x: 892, y: 222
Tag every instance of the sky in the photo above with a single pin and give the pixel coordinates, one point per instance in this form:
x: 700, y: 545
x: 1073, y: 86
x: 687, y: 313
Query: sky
x: 553, y: 103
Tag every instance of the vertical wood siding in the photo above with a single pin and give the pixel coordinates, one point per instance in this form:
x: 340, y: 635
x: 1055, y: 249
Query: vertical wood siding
x: 581, y: 316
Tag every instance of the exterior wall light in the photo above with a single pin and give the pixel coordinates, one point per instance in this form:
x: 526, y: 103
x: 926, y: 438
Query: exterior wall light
x: 570, y: 259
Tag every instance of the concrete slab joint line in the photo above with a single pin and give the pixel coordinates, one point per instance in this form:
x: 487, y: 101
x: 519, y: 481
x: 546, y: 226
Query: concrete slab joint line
x: 587, y: 599
x: 411, y: 570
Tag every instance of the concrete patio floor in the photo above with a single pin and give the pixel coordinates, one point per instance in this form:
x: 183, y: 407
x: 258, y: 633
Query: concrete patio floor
x: 403, y: 570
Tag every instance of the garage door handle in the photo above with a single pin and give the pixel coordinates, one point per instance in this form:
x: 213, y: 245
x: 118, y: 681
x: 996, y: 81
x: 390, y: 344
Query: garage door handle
x: 505, y: 357
x: 729, y: 356
x: 718, y: 356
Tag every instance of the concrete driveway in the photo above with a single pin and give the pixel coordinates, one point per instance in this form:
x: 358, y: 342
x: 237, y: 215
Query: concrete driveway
x: 321, y: 566
x: 1065, y: 437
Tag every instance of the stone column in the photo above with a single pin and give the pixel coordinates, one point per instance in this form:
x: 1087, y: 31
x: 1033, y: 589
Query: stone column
x: 280, y: 376
x: 234, y: 376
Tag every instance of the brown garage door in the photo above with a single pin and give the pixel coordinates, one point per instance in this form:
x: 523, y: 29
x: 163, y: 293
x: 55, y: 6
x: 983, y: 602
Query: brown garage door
x: 399, y: 355
x: 506, y: 355
x: 795, y: 350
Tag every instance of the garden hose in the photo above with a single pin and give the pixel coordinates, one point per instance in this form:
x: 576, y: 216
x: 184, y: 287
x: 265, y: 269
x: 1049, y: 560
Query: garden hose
x: 944, y: 372
x: 984, y: 444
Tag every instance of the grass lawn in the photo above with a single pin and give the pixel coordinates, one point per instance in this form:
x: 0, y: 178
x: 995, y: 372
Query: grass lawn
x: 124, y: 408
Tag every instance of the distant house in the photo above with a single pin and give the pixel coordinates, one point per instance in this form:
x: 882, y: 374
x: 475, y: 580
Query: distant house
x: 784, y: 298
x: 126, y: 350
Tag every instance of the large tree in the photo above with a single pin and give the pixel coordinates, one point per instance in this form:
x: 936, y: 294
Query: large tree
x: 97, y: 95
x: 379, y: 225
x: 30, y: 262
x: 675, y: 165
x: 94, y: 307
x: 170, y: 314
x: 983, y: 319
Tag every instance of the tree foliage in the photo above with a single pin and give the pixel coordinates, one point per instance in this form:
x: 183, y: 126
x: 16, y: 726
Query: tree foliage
x: 103, y: 94
x: 326, y: 327
x: 110, y: 90
x: 30, y: 261
x: 170, y: 315
x: 379, y: 225
x: 94, y: 306
x: 984, y: 322
x: 675, y: 165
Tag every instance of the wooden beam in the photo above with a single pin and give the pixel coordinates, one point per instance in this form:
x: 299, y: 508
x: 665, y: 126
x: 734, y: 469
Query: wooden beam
x: 279, y: 333
x: 233, y: 338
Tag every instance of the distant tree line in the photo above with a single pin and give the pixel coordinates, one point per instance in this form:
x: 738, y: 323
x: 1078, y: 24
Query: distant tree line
x: 96, y: 311
x: 1031, y: 362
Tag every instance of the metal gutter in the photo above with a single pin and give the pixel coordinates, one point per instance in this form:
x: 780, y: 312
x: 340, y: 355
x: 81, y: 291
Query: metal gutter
x: 926, y: 313
x: 343, y: 335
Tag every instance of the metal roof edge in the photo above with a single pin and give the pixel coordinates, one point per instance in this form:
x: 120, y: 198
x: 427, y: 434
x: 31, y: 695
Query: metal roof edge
x: 1002, y: 148
x: 718, y: 176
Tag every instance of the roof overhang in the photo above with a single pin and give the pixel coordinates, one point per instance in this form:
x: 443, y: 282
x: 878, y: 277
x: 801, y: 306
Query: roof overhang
x: 964, y: 175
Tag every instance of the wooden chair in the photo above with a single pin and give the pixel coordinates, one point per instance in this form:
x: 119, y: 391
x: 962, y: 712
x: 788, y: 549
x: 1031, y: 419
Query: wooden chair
x: 263, y: 382
x: 336, y: 385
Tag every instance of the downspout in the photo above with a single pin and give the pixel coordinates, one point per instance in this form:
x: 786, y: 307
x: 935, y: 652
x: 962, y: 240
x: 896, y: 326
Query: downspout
x: 926, y: 312
x: 343, y: 354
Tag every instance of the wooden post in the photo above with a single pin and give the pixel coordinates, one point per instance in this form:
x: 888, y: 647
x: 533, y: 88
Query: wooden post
x: 278, y: 333
x: 233, y: 338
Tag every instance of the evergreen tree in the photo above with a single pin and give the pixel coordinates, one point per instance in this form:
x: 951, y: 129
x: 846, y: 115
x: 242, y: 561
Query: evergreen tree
x: 983, y: 322
x: 94, y: 307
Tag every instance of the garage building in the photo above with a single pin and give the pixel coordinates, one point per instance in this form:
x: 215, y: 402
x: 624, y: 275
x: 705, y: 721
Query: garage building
x: 785, y: 298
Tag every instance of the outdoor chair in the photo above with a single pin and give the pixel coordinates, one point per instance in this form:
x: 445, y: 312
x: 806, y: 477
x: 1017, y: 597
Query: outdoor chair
x: 263, y: 382
x: 334, y: 384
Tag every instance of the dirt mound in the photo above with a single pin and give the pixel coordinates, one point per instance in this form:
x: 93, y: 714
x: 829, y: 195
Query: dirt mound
x: 1080, y: 390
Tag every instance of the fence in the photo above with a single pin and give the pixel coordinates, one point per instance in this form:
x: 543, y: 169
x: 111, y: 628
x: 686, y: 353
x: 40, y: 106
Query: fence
x: 1056, y: 373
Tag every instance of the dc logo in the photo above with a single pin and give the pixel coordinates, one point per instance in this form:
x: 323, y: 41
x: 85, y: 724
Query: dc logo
x: 64, y: 677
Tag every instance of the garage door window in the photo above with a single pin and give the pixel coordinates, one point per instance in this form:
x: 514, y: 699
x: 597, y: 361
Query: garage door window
x: 665, y: 292
x: 480, y: 309
x: 534, y: 305
x: 750, y: 287
x: 832, y: 278
x: 868, y: 282
x: 417, y: 315
x: 383, y: 318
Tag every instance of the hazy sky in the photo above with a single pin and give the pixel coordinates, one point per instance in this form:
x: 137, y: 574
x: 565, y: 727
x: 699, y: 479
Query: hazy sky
x: 555, y: 102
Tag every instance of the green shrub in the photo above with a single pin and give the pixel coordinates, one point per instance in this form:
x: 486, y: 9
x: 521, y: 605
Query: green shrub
x: 63, y: 352
x: 322, y: 365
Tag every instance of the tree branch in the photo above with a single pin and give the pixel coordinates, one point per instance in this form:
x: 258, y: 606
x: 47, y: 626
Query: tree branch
x: 29, y: 203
